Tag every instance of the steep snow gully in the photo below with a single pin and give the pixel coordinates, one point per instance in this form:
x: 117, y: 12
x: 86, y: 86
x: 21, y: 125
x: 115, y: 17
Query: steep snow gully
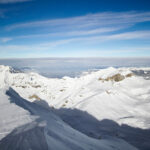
x: 107, y: 109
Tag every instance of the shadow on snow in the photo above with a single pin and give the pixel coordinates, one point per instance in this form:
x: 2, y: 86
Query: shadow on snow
x: 83, y: 122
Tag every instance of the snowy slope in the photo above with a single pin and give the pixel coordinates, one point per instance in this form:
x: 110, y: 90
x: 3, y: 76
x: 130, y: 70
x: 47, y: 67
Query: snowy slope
x: 120, y: 95
x: 38, y: 128
x: 11, y: 116
x: 126, y: 101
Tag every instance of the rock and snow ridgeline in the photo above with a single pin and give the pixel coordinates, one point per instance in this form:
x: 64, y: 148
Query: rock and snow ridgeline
x: 109, y: 93
x: 115, y: 94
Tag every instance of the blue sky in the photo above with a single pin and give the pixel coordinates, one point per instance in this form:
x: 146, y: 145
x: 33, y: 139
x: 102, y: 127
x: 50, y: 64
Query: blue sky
x: 74, y: 28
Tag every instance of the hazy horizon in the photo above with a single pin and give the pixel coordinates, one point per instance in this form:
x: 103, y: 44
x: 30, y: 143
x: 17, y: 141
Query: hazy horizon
x: 59, y: 67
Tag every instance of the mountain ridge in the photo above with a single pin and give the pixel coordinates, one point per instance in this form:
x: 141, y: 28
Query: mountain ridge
x: 98, y: 93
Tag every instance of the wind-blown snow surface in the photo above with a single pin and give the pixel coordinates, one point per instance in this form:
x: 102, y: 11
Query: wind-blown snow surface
x: 97, y: 93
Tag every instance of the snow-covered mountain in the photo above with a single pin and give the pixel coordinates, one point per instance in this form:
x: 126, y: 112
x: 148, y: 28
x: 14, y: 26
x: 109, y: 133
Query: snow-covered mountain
x: 100, y: 110
x: 25, y: 125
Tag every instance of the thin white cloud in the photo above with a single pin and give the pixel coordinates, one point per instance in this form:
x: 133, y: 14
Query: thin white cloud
x: 131, y: 35
x: 98, y: 39
x: 145, y: 34
x: 67, y: 33
x: 4, y: 40
x: 88, y: 25
x: 88, y: 32
x: 12, y: 1
x: 107, y: 19
x: 89, y: 29
x: 89, y: 40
